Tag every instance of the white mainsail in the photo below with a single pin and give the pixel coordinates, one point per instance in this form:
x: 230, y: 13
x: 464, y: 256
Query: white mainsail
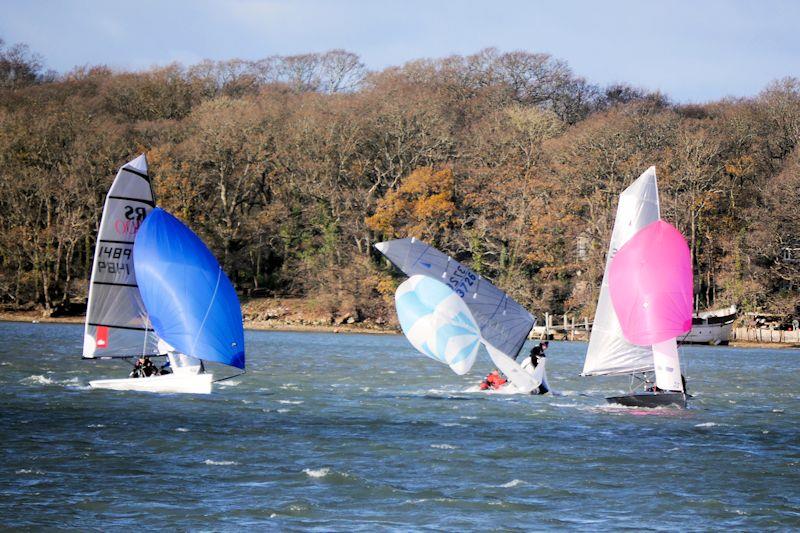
x: 609, y: 352
x: 504, y: 324
x: 116, y: 320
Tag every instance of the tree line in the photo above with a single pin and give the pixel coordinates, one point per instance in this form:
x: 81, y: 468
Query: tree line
x: 291, y: 167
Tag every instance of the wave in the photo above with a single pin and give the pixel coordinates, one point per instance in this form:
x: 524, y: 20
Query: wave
x: 444, y: 446
x: 291, y: 402
x: 27, y: 471
x: 710, y: 425
x: 512, y: 483
x: 182, y: 430
x: 320, y: 472
x: 219, y: 463
x: 38, y: 380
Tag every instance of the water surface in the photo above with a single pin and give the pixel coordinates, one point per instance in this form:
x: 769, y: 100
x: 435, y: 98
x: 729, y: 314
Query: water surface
x: 358, y: 432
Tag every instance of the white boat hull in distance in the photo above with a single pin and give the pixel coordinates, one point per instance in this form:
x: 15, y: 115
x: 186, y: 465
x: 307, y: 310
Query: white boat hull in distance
x: 169, y: 383
x: 715, y: 334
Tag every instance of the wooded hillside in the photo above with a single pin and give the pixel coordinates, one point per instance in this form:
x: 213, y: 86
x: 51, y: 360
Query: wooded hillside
x: 290, y: 168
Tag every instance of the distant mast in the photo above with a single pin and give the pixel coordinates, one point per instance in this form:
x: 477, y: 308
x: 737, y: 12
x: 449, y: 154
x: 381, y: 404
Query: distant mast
x: 116, y: 320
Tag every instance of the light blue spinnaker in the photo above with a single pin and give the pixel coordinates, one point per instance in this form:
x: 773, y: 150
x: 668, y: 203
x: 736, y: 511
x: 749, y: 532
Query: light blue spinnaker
x: 191, y: 303
x: 437, y: 322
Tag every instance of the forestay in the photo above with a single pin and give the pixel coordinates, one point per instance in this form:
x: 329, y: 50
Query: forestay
x: 191, y: 302
x: 609, y: 352
x: 116, y: 321
x: 437, y: 322
x: 504, y: 324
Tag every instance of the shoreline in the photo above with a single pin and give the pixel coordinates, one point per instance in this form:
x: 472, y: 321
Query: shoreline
x: 36, y: 318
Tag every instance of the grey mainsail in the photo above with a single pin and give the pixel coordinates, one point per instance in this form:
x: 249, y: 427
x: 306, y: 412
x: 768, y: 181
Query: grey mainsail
x: 504, y: 323
x: 116, y: 320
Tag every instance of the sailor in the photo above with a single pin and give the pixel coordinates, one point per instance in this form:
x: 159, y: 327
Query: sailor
x: 138, y: 368
x: 538, y: 356
x: 537, y: 352
x: 143, y: 368
x: 494, y: 380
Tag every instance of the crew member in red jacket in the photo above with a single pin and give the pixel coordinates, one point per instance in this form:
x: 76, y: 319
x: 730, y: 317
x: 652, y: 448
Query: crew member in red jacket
x: 493, y: 381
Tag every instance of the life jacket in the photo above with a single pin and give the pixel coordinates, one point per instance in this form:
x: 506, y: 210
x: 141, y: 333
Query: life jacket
x: 493, y: 380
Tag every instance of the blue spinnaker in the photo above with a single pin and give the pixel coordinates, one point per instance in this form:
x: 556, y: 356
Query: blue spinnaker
x: 191, y: 302
x: 437, y: 322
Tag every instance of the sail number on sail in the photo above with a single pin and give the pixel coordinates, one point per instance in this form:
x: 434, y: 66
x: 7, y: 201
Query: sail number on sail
x: 461, y: 280
x: 114, y: 267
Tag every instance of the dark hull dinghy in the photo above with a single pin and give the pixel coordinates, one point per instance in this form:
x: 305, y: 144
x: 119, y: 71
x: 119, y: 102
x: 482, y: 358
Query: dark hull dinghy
x: 651, y: 399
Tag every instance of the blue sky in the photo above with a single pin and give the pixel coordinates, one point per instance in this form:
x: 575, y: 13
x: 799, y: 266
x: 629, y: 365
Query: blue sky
x: 694, y: 51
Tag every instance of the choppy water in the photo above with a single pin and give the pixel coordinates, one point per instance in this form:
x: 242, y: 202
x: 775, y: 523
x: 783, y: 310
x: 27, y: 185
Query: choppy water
x: 357, y: 432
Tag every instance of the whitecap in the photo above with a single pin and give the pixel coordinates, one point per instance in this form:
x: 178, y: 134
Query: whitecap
x: 444, y: 446
x: 182, y: 430
x: 469, y: 417
x: 38, y: 380
x: 27, y: 471
x: 228, y: 383
x: 282, y: 410
x: 96, y: 426
x: 512, y: 483
x: 320, y: 472
x: 291, y: 402
x: 220, y: 463
x: 452, y: 424
x: 709, y: 425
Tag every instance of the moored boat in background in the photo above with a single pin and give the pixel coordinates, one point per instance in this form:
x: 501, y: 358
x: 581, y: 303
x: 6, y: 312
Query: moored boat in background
x: 711, y: 327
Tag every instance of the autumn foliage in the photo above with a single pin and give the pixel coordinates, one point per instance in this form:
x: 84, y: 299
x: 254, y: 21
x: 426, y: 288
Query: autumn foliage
x: 291, y: 168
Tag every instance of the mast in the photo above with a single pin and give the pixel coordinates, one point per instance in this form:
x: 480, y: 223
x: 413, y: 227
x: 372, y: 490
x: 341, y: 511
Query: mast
x: 503, y: 323
x: 609, y: 352
x: 646, y: 296
x: 116, y: 319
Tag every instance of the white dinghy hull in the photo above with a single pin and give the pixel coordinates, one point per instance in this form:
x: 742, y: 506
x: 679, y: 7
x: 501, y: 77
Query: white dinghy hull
x: 169, y: 383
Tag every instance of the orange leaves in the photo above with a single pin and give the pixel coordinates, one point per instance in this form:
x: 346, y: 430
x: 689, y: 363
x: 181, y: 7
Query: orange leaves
x: 422, y: 206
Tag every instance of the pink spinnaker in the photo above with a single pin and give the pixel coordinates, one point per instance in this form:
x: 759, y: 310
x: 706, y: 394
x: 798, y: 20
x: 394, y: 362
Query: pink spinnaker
x: 650, y: 280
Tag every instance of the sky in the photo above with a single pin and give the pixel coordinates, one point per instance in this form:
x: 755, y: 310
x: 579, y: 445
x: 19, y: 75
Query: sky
x: 693, y: 51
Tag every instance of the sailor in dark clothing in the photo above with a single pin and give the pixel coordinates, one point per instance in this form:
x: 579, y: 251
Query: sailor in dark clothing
x: 143, y: 368
x: 537, y: 352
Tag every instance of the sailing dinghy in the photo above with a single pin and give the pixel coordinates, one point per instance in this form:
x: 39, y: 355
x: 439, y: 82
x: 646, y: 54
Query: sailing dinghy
x: 447, y: 311
x: 645, y: 301
x: 156, y: 290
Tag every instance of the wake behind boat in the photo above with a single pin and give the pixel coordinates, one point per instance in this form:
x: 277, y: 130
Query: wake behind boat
x: 156, y: 290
